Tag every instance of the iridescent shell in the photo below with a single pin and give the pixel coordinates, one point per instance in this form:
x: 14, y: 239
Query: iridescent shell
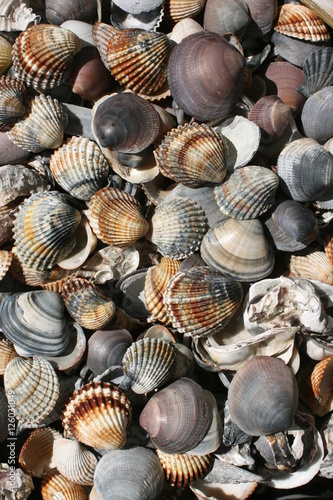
x: 177, y: 10
x: 201, y: 301
x: 42, y: 55
x: 16, y: 15
x: 37, y: 453
x: 272, y: 116
x: 5, y: 262
x: 12, y: 94
x: 182, y: 469
x: 318, y: 71
x: 192, y: 154
x: 98, y: 415
x: 313, y: 265
x: 301, y: 22
x: 74, y: 461
x: 7, y: 353
x: 54, y: 485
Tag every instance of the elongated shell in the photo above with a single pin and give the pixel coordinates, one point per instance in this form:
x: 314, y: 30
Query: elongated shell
x: 106, y: 348
x: 318, y: 71
x: 54, y: 485
x: 74, y: 461
x: 182, y: 469
x: 201, y: 301
x: 98, y: 415
x: 16, y: 15
x: 315, y: 115
x: 37, y: 453
x: 301, y: 22
x: 12, y: 94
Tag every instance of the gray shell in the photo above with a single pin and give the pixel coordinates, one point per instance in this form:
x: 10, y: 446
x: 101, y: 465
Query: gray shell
x: 317, y: 115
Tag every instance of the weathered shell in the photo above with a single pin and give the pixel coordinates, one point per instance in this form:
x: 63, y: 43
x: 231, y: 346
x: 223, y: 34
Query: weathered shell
x: 224, y: 16
x: 138, y: 7
x: 106, y: 348
x: 86, y: 242
x: 54, y: 485
x: 272, y: 116
x: 45, y: 229
x: 57, y: 12
x: 16, y: 15
x: 262, y: 13
x: 283, y: 79
x: 182, y: 469
x: 28, y: 134
x: 197, y: 90
x: 19, y: 180
x: 201, y: 301
x: 318, y: 71
x: 316, y: 115
x: 184, y: 28
x: 98, y: 415
x: 10, y: 153
x: 313, y: 265
x: 42, y: 55
x: 176, y: 11
x: 5, y: 262
x: 35, y: 386
x: 248, y: 193
x: 177, y: 228
x: 12, y: 94
x: 74, y: 461
x: 37, y: 453
x: 263, y: 396
x: 238, y: 249
x: 301, y: 22
x: 192, y: 155
x: 5, y: 55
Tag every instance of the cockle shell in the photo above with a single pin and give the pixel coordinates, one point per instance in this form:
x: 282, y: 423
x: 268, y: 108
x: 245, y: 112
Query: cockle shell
x: 37, y: 453
x: 224, y: 16
x: 182, y: 469
x: 54, y: 485
x: 184, y: 28
x: 176, y: 11
x: 318, y: 71
x: 138, y: 7
x: 102, y: 33
x: 106, y: 348
x: 15, y: 15
x: 318, y: 389
x: 19, y: 180
x: 98, y: 415
x: 5, y: 55
x: 328, y: 246
x: 192, y: 155
x: 301, y: 22
x: 12, y: 94
x: 35, y: 386
x: 42, y: 55
x: 262, y: 13
x: 5, y: 262
x: 315, y: 115
x: 7, y: 353
x: 201, y: 301
x: 272, y: 116
x: 313, y: 265
x: 74, y: 461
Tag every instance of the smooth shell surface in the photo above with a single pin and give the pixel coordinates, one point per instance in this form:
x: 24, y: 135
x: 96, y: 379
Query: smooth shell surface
x: 107, y: 348
x: 272, y: 116
x: 224, y: 16
x: 37, y: 453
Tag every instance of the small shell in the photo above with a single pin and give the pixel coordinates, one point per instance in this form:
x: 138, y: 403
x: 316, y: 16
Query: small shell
x: 301, y: 22
x: 12, y: 94
x: 318, y: 71
x: 313, y: 265
x: 106, y: 348
x: 176, y: 10
x: 54, y: 485
x: 98, y: 415
x: 182, y: 469
x: 74, y: 461
x: 321, y: 380
x: 5, y: 55
x: 272, y: 116
x: 15, y: 15
x: 7, y: 353
x: 5, y: 262
x: 37, y: 453
x: 315, y: 115
x: 283, y: 79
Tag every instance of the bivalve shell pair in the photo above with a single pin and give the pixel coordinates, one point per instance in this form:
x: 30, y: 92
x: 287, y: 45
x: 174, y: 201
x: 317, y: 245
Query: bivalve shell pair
x: 12, y: 95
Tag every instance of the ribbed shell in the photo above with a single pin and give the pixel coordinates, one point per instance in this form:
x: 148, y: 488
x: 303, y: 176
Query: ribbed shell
x: 182, y: 469
x: 318, y: 71
x: 138, y: 59
x: 15, y: 15
x: 313, y: 265
x: 37, y: 453
x: 201, y: 301
x: 180, y: 9
x: 5, y: 55
x: 74, y: 461
x: 87, y: 304
x: 42, y: 55
x: 79, y: 167
x: 35, y: 387
x: 328, y: 242
x: 248, y: 193
x: 321, y: 380
x: 272, y: 116
x: 192, y: 154
x: 5, y: 262
x: 316, y: 115
x: 7, y: 353
x: 98, y: 415
x: 283, y: 79
x: 156, y: 280
x: 149, y: 363
x: 44, y: 229
x: 28, y: 133
x: 177, y: 228
x: 102, y: 33
x: 55, y: 486
x: 301, y: 22
x: 106, y: 348
x: 138, y: 7
x: 12, y: 94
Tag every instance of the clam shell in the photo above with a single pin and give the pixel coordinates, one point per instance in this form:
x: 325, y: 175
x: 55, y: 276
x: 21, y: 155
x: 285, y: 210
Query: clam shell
x: 50, y: 279
x: 182, y: 469
x: 301, y: 22
x: 37, y: 453
x: 176, y: 10
x: 318, y: 71
x: 5, y: 262
x: 262, y: 13
x: 184, y: 28
x: 42, y: 55
x: 12, y: 94
x: 106, y: 348
x: 19, y: 180
x: 74, y: 461
x: 226, y: 16
x: 313, y: 265
x: 5, y: 55
x: 293, y: 50
x: 263, y: 396
x: 54, y: 485
x: 272, y: 116
x: 98, y: 415
x: 138, y: 7
x: 17, y: 16
x: 192, y: 155
x: 35, y: 386
x: 201, y: 301
x: 315, y: 115
x: 283, y: 79
x: 57, y: 12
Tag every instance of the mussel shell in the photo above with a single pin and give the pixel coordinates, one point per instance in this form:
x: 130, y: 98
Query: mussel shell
x: 106, y: 348
x: 301, y: 22
x: 316, y: 114
x: 226, y: 16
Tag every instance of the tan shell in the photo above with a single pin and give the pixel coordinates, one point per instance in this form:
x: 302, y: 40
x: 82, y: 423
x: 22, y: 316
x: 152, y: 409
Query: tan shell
x: 313, y: 265
x: 328, y: 242
x: 5, y: 262
x: 301, y: 22
x: 182, y: 469
x: 54, y: 485
x: 37, y: 453
x: 317, y: 388
x: 12, y: 94
x: 184, y: 28
x: 15, y: 15
x: 74, y: 461
x: 5, y: 55
x: 7, y: 353
x: 177, y: 10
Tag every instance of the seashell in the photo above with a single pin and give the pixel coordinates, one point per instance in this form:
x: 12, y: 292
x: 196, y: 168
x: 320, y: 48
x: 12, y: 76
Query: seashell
x: 177, y: 228
x: 138, y: 7
x: 132, y: 300
x: 293, y: 50
x: 248, y: 193
x: 5, y: 55
x: 318, y: 71
x: 35, y: 322
x: 177, y: 417
x: 55, y: 485
x: 102, y: 33
x: 116, y: 217
x: 87, y: 304
x: 227, y: 17
x: 7, y: 217
x: 272, y: 116
x: 16, y: 15
x: 262, y: 15
x: 10, y: 153
x: 37, y: 453
x: 22, y: 483
x: 5, y: 262
x: 74, y: 461
x: 328, y: 246
x: 201, y: 301
x: 82, y: 29
x: 312, y: 265
x: 57, y: 13
x: 148, y: 20
x: 263, y: 396
x: 184, y: 28
x: 19, y: 180
x: 134, y: 472
x: 182, y: 469
x: 50, y: 279
x: 238, y: 249
x: 149, y: 363
x: 318, y: 389
x: 192, y: 155
x: 125, y: 123
x: 301, y: 22
x: 35, y: 387
x: 43, y: 54
x: 98, y: 415
x: 27, y: 132
x: 79, y: 167
x: 106, y: 348
x: 71, y: 357
x: 197, y: 91
x: 176, y: 11
x: 314, y: 117
x: 85, y: 244
x: 7, y: 353
x: 12, y: 94
x: 138, y: 59
x: 44, y: 229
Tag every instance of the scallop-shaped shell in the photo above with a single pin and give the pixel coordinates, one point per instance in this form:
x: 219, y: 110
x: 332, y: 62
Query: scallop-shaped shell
x: 74, y: 461
x: 15, y: 15
x: 263, y: 396
x: 116, y: 217
x: 28, y: 133
x: 54, y: 485
x: 201, y: 301
x: 321, y: 381
x: 182, y: 469
x: 301, y: 22
x: 5, y: 262
x: 98, y: 415
x: 318, y: 71
x: 87, y: 304
x: 176, y: 10
x: 156, y: 280
x: 106, y: 348
x: 226, y: 16
x: 50, y: 279
x: 43, y: 54
x: 37, y: 453
x: 45, y: 229
x: 313, y: 265
x: 102, y: 33
x: 138, y: 59
x: 316, y: 114
x: 79, y: 167
x: 248, y: 193
x: 272, y: 116
x: 34, y: 385
x: 149, y: 363
x: 192, y: 155
x: 5, y: 55
x: 238, y: 249
x: 177, y: 228
x: 283, y: 79
x: 12, y: 94
x: 7, y: 353
x: 262, y: 13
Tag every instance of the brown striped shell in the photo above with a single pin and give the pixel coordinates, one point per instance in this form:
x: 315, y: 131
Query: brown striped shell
x: 5, y: 262
x: 177, y: 10
x: 54, y: 485
x: 7, y: 353
x: 328, y: 246
x: 299, y: 21
x: 102, y: 33
x: 313, y: 265
x: 192, y: 154
x: 12, y: 94
x: 74, y: 461
x: 201, y: 301
x: 182, y: 469
x: 98, y: 415
x: 37, y: 453
x: 321, y: 380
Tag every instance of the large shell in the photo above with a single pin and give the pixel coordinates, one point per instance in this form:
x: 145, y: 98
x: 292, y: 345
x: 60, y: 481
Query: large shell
x: 301, y: 22
x: 316, y: 115
x: 74, y: 461
x: 192, y: 155
x: 226, y: 16
x: 262, y: 13
x: 12, y: 94
x: 106, y: 348
x: 199, y: 91
x: 16, y: 15
x: 272, y: 116
x: 98, y: 415
x: 201, y: 301
x: 35, y: 387
x: 263, y: 396
x: 54, y: 485
x: 318, y: 71
x: 5, y: 55
x: 182, y: 469
x: 42, y: 55
x: 37, y: 453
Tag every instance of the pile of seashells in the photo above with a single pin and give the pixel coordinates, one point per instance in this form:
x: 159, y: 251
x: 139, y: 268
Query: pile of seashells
x: 166, y: 262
